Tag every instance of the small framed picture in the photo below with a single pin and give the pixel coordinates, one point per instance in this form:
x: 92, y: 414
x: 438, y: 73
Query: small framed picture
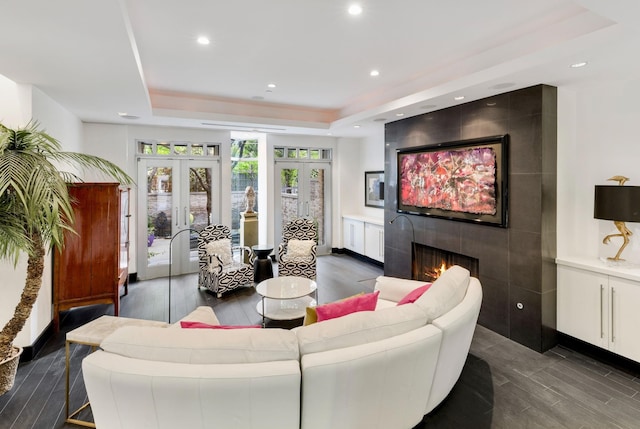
x: 374, y: 189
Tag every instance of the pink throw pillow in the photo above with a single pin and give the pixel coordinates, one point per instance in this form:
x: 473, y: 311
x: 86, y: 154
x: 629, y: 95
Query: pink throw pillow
x: 366, y: 302
x: 414, y: 294
x: 200, y: 325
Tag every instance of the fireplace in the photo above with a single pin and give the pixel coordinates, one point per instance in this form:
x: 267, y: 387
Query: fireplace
x: 429, y: 262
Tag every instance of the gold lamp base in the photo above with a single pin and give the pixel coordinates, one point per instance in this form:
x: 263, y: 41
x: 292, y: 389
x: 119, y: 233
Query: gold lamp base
x: 625, y: 233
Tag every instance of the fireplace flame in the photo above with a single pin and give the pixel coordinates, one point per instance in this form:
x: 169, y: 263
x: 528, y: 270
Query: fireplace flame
x: 434, y: 273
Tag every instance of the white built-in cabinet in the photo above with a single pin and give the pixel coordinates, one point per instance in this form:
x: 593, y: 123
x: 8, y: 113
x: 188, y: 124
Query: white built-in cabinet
x: 364, y: 236
x: 599, y: 304
x: 374, y: 241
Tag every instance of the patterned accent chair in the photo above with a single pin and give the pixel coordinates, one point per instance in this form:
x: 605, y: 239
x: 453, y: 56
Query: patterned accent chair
x: 220, y: 271
x: 297, y: 252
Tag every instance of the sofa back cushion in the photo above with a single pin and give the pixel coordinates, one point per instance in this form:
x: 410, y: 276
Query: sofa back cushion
x: 359, y: 328
x: 445, y: 293
x: 203, y: 346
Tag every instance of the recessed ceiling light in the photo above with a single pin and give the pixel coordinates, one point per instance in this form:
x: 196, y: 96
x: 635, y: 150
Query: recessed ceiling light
x: 203, y: 40
x: 399, y: 114
x: 374, y: 73
x: 125, y: 115
x: 272, y: 85
x: 356, y: 126
x: 578, y: 65
x: 355, y: 9
x: 459, y: 97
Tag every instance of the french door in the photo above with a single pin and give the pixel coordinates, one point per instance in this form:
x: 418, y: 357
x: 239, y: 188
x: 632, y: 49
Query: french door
x: 303, y: 189
x: 180, y: 198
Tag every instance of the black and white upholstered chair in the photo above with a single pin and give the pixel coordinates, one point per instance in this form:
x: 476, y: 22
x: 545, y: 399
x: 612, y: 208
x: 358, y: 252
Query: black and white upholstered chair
x: 297, y: 252
x: 220, y: 263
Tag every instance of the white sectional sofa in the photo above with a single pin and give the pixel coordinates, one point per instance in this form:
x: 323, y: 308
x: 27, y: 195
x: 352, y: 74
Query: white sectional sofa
x: 377, y: 369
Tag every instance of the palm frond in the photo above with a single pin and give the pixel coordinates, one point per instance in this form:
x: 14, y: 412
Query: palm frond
x: 34, y: 187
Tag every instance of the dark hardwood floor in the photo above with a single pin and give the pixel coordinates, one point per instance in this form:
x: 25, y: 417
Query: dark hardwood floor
x: 503, y: 385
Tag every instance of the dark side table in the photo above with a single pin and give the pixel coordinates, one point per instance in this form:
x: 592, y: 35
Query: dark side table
x: 262, y: 267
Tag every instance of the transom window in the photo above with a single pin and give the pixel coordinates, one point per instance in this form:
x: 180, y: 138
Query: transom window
x: 301, y: 153
x: 168, y: 149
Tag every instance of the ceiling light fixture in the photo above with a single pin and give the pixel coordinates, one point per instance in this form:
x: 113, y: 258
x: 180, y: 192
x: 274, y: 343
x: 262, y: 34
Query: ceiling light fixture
x: 374, y: 73
x: 125, y: 115
x: 459, y: 97
x: 578, y: 65
x: 272, y: 85
x: 203, y: 40
x: 356, y: 126
x: 399, y: 114
x: 355, y: 9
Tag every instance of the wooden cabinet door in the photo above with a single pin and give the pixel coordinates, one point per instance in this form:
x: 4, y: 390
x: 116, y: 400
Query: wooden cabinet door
x: 86, y: 270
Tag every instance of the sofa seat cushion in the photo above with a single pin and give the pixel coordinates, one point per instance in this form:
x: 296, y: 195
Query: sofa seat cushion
x: 445, y: 293
x: 203, y: 346
x: 359, y: 328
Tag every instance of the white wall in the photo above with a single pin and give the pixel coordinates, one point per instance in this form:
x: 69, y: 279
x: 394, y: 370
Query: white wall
x: 372, y: 159
x: 15, y: 103
x: 354, y: 157
x: 597, y: 138
x: 19, y: 104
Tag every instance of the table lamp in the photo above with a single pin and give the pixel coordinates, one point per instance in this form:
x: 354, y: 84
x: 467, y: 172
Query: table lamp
x: 620, y: 204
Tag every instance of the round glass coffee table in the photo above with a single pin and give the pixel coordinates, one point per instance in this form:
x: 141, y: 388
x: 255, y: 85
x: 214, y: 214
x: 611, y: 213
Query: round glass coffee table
x: 285, y: 298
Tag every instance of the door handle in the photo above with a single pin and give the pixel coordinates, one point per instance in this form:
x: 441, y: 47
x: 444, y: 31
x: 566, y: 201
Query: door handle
x: 176, y: 216
x: 613, y: 332
x: 601, y: 318
x: 185, y: 216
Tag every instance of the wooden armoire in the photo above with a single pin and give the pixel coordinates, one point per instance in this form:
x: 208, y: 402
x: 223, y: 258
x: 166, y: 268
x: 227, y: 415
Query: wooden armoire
x: 90, y: 268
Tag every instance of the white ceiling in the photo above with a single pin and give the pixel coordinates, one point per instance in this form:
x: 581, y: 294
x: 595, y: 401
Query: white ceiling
x: 101, y: 57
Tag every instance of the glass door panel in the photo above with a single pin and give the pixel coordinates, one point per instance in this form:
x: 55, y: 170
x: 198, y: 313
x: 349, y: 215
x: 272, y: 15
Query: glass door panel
x: 180, y: 199
x: 303, y: 192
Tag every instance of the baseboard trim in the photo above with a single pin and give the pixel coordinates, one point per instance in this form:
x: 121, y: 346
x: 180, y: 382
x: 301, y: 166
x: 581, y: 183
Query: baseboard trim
x: 358, y: 256
x: 30, y: 352
x: 598, y: 353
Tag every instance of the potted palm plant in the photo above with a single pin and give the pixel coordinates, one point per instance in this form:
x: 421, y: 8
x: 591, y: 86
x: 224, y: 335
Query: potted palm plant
x: 35, y: 211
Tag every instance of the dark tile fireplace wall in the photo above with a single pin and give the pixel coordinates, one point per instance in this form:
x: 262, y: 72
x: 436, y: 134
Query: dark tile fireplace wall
x: 516, y: 264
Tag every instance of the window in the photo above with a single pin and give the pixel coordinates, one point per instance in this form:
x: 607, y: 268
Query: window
x: 302, y: 153
x: 168, y: 149
x: 244, y: 172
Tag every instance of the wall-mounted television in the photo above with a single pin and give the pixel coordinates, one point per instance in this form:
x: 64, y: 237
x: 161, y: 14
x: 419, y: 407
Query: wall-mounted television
x: 463, y: 180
